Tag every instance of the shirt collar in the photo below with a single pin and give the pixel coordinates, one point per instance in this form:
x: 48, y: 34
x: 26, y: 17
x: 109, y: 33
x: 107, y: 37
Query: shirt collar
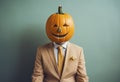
x: 64, y: 45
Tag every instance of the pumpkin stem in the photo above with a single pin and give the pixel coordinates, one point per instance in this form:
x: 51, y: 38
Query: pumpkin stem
x: 60, y: 10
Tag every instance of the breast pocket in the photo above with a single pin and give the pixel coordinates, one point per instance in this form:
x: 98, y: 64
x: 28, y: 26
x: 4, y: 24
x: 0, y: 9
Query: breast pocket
x: 72, y: 66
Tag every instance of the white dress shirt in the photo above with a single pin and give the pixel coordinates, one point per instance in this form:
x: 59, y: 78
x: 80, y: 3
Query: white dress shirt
x: 64, y: 45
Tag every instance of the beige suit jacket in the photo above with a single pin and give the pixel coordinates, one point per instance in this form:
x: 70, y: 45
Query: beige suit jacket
x: 45, y: 69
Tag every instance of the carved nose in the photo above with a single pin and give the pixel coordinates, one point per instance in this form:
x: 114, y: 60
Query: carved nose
x: 59, y: 30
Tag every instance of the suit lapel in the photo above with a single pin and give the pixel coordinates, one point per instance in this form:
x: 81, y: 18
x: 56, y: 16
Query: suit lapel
x: 52, y: 57
x: 67, y: 57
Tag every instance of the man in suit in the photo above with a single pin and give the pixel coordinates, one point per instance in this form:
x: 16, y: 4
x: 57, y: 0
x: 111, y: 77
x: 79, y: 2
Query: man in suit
x: 59, y: 60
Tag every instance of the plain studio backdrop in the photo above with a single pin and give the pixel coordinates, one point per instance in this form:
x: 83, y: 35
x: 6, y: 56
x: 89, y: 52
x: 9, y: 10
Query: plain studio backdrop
x: 22, y: 30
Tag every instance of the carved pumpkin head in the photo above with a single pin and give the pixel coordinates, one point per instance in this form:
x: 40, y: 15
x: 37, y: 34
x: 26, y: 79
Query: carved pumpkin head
x: 59, y: 27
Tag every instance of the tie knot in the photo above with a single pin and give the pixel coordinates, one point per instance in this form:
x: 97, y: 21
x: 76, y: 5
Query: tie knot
x: 60, y: 50
x: 59, y: 47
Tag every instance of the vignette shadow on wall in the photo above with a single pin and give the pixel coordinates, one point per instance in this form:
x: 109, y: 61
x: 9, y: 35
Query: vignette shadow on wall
x: 31, y: 38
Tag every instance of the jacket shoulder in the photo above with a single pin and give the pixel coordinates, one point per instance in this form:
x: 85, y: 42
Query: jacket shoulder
x: 75, y: 46
x: 45, y: 46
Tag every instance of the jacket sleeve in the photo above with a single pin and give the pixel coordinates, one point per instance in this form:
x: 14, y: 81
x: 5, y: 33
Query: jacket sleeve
x: 81, y: 75
x: 37, y: 75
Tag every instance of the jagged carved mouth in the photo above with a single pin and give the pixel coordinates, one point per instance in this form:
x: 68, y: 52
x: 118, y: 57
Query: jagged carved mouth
x: 59, y: 35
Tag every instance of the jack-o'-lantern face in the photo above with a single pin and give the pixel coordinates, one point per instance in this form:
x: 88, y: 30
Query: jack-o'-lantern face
x: 59, y: 27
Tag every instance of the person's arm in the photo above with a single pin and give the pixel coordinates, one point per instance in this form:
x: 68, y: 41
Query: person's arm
x: 37, y: 75
x: 81, y: 75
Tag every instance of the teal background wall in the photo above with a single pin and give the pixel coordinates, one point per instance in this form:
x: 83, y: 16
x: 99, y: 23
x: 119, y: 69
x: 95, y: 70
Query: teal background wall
x: 22, y: 30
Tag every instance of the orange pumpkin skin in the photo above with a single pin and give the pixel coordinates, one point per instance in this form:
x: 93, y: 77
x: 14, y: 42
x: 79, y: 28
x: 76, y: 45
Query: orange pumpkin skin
x: 60, y: 27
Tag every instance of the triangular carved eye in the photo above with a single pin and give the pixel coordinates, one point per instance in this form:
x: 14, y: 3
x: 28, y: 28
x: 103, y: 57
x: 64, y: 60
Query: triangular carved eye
x: 55, y: 25
x: 65, y: 25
